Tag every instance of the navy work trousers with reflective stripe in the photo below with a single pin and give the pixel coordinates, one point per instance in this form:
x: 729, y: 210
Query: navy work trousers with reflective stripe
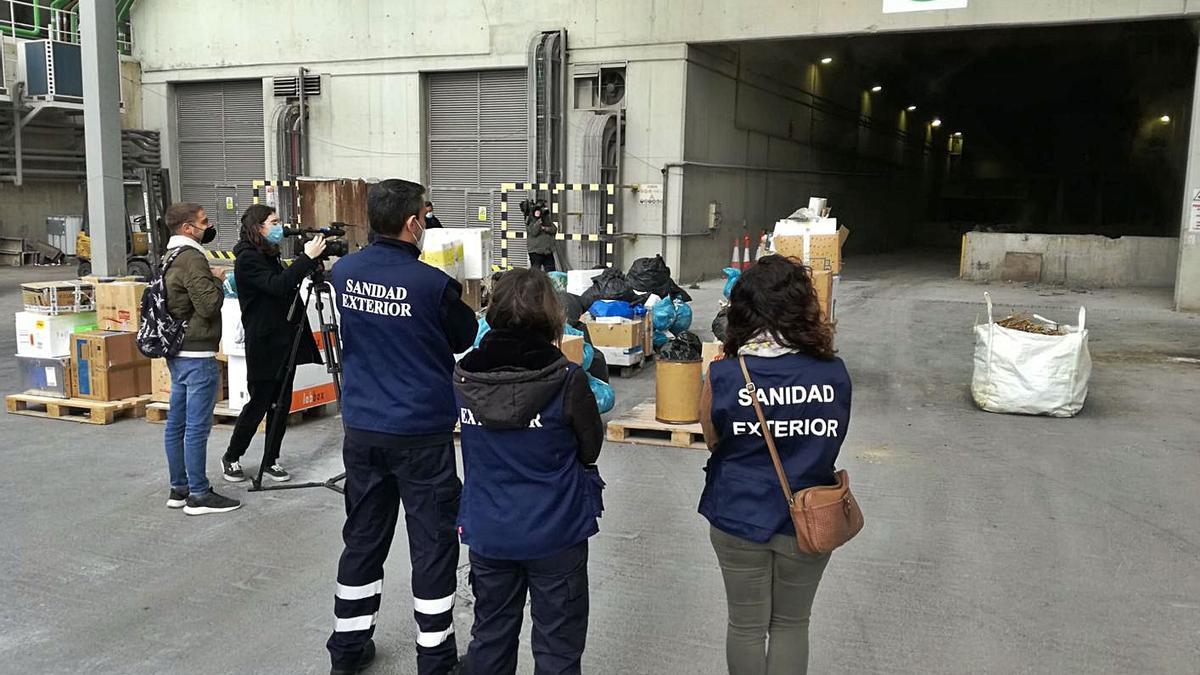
x: 378, y: 479
x: 558, y: 593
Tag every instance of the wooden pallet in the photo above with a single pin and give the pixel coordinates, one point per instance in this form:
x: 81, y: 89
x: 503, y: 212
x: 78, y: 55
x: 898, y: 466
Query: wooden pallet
x: 226, y: 418
x: 639, y: 426
x: 76, y: 409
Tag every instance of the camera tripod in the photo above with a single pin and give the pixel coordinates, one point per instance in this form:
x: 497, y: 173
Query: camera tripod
x: 320, y: 289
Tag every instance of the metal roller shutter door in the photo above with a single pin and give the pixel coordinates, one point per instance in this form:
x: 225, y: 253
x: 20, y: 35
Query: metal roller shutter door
x: 221, y: 149
x: 478, y: 139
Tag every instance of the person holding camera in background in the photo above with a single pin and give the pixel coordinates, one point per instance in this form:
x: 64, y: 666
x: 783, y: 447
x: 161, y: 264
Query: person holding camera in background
x: 268, y: 292
x: 402, y: 323
x: 539, y: 232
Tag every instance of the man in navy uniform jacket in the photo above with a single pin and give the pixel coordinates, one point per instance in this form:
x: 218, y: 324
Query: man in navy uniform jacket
x: 402, y: 321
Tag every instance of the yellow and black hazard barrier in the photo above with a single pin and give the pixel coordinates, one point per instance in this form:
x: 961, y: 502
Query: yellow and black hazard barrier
x: 607, y: 191
x: 258, y: 185
x: 220, y: 255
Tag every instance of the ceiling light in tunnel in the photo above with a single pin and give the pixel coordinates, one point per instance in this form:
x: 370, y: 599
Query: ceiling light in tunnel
x: 1165, y: 119
x: 958, y: 134
x: 911, y: 108
x: 877, y: 89
x: 827, y: 60
x: 935, y: 123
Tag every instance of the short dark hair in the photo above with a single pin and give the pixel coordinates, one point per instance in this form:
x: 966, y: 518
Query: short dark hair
x: 391, y: 202
x: 776, y: 296
x: 429, y: 204
x: 180, y: 213
x: 525, y: 300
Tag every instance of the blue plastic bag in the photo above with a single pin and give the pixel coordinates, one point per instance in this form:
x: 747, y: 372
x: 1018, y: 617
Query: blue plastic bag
x: 588, y: 352
x: 660, y: 339
x: 663, y: 314
x: 683, y: 317
x: 607, y: 308
x: 229, y: 285
x: 483, y: 329
x: 731, y: 276
x: 606, y: 398
x: 558, y: 280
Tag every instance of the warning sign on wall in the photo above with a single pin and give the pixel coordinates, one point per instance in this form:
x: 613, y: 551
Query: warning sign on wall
x: 894, y: 6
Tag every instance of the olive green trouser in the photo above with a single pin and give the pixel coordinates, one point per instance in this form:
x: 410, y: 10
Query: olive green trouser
x: 769, y: 589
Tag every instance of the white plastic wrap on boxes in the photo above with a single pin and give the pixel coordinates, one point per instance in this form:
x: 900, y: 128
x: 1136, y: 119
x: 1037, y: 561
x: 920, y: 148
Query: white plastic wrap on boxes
x: 233, y: 338
x: 477, y: 247
x: 236, y: 376
x: 579, y: 281
x: 46, y: 336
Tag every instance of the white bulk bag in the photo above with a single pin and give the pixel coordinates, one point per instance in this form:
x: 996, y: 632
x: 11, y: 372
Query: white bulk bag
x: 1031, y: 374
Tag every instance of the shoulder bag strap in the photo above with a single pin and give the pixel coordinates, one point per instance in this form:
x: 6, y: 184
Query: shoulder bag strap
x: 766, y: 431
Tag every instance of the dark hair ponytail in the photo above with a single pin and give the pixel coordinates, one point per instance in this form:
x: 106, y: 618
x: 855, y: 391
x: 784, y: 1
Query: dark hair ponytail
x: 252, y: 221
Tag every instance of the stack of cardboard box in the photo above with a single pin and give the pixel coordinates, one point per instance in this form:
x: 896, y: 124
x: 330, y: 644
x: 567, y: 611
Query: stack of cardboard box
x: 818, y: 244
x: 465, y: 253
x: 54, y: 310
x: 622, y: 341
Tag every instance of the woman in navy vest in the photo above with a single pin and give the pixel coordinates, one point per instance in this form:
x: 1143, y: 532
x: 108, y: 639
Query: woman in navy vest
x: 531, y: 432
x: 776, y: 323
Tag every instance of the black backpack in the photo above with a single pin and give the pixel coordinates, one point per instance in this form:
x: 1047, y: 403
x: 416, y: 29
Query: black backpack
x: 160, y: 334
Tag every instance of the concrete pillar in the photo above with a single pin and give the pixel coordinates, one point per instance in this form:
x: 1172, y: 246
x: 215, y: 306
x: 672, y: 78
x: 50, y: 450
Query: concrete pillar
x: 102, y: 134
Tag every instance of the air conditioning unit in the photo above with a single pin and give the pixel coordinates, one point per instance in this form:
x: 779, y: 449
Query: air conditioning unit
x: 286, y: 86
x: 599, y: 87
x: 53, y: 72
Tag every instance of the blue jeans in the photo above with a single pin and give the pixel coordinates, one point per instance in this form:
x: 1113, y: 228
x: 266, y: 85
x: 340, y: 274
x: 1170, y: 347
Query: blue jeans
x: 194, y: 383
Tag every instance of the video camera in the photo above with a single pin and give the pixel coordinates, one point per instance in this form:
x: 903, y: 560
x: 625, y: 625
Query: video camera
x: 536, y: 209
x: 334, y: 246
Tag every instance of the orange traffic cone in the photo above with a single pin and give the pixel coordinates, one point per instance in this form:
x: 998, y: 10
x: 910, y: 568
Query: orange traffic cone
x: 762, y: 246
x: 746, y: 259
x: 736, y: 261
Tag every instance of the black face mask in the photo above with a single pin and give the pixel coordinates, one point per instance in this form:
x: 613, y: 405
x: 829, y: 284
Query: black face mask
x: 210, y: 233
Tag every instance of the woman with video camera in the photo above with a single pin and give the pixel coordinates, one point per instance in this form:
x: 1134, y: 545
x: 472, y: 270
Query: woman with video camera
x: 266, y: 293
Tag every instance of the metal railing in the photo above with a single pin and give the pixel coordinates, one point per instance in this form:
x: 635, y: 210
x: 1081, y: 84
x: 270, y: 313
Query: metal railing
x: 56, y: 20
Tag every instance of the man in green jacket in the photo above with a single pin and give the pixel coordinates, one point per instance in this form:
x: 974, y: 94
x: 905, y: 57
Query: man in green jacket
x: 194, y: 294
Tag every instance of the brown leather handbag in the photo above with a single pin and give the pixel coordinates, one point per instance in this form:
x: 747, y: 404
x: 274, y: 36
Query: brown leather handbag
x: 826, y: 516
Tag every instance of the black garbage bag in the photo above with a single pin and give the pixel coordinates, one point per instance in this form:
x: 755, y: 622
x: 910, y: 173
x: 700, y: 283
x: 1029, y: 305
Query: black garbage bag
x: 609, y: 285
x: 572, y: 306
x: 721, y: 324
x: 651, y: 275
x: 683, y: 347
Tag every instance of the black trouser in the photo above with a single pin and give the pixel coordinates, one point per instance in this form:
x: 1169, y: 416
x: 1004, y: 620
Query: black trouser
x: 378, y: 479
x: 558, y: 592
x: 263, y: 395
x: 542, y: 261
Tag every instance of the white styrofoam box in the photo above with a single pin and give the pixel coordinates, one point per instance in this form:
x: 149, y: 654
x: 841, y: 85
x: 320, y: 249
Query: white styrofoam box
x: 233, y: 338
x: 578, y: 281
x: 793, y: 228
x: 47, y: 336
x: 236, y: 375
x: 615, y: 356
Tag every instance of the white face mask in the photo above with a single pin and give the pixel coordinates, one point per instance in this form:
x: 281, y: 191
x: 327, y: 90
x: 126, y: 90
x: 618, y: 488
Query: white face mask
x: 421, y: 238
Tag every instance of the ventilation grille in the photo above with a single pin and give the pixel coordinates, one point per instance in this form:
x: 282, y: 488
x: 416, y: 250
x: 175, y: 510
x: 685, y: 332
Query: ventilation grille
x: 286, y: 86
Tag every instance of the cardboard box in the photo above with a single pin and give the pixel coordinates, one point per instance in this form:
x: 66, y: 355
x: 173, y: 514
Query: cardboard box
x: 119, y: 305
x: 95, y: 279
x: 708, y: 353
x: 233, y: 338
x: 472, y: 293
x: 46, y: 376
x: 617, y: 333
x: 312, y: 386
x: 160, y: 379
x: 817, y: 244
x: 476, y: 248
x: 572, y: 348
x: 823, y: 283
x: 58, y: 297
x: 46, y: 336
x: 107, y: 366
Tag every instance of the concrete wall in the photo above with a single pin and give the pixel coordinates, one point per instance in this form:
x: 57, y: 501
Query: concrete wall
x: 875, y: 181
x: 1075, y: 260
x: 23, y: 210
